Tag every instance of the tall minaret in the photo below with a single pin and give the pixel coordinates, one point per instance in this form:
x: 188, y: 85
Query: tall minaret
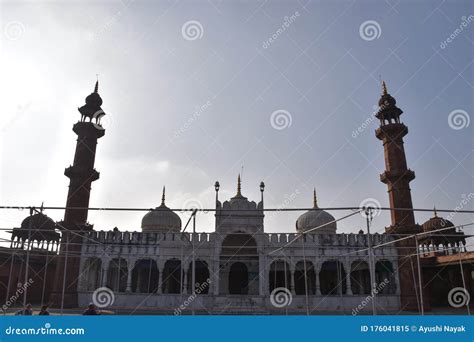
x: 81, y: 175
x: 397, y: 176
x: 82, y: 172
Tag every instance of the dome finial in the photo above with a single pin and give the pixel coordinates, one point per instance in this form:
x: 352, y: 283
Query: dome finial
x: 384, y: 88
x: 96, y: 88
x: 239, y: 186
x: 434, y: 211
x: 163, y: 197
x: 315, y: 199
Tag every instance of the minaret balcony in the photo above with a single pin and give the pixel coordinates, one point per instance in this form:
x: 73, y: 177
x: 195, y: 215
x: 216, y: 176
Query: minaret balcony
x: 90, y: 129
x: 81, y: 173
x: 396, y: 175
x: 392, y: 131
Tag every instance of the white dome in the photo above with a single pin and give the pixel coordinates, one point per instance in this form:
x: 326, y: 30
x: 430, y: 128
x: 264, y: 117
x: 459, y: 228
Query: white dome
x: 316, y: 218
x: 161, y: 220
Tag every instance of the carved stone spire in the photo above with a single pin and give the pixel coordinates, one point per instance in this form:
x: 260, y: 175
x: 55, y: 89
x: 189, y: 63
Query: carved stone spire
x: 239, y: 187
x: 384, y: 88
x: 315, y: 199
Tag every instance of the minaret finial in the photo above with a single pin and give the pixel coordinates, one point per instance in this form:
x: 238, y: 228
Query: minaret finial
x: 239, y: 186
x: 434, y: 211
x: 163, y: 197
x: 315, y: 199
x: 96, y: 88
x: 384, y: 88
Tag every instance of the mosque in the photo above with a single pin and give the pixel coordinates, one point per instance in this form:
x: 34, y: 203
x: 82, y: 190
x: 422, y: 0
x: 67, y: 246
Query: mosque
x: 240, y: 268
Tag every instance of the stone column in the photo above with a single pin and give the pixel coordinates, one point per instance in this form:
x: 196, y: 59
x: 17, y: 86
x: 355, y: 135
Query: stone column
x: 106, y: 270
x: 262, y: 276
x: 347, y: 266
x: 215, y: 266
x: 160, y: 276
x: 340, y: 266
x: 317, y: 269
x: 185, y: 282
x: 129, y: 277
x: 216, y: 275
x: 395, y: 277
x: 292, y: 278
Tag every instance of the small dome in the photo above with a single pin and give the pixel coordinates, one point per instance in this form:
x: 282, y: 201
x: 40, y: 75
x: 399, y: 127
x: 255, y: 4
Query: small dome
x: 161, y: 220
x: 437, y: 222
x: 386, y: 99
x: 39, y: 221
x: 94, y: 100
x: 316, y: 218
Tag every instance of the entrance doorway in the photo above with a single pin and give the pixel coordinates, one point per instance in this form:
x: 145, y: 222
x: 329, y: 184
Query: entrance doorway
x: 238, y: 279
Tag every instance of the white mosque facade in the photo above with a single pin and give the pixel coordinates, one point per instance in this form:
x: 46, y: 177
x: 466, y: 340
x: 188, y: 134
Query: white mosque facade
x: 239, y: 268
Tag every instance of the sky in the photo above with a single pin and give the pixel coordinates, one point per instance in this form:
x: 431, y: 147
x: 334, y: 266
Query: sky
x: 198, y: 91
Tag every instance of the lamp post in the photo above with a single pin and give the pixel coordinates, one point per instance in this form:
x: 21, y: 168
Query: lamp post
x: 368, y: 216
x: 217, y: 187
x: 193, y: 278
